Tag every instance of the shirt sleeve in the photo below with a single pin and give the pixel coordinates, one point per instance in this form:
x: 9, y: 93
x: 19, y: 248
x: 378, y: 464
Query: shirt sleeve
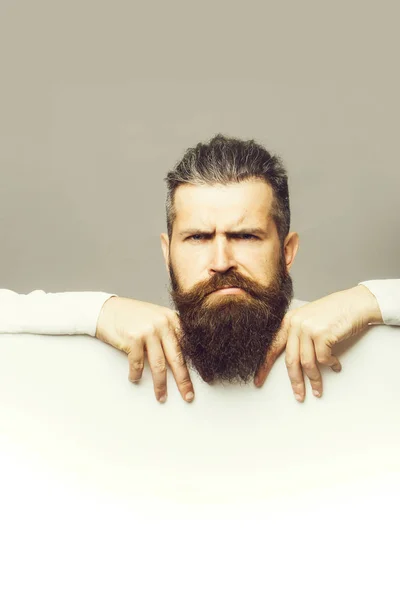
x: 387, y: 293
x: 64, y: 313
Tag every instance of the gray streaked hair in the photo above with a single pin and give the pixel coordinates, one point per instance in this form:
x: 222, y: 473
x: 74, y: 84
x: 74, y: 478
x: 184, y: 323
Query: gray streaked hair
x: 225, y: 160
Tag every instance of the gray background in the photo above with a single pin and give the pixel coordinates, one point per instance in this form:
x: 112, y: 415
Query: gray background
x: 100, y: 99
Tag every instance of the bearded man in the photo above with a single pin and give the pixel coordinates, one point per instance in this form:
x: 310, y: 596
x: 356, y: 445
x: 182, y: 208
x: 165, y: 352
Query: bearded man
x: 228, y: 251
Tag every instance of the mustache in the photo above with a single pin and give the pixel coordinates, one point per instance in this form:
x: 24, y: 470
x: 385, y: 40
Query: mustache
x: 218, y: 281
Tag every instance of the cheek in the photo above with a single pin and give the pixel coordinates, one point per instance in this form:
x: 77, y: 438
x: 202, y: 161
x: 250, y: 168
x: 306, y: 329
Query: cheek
x: 186, y: 270
x: 192, y: 260
x: 256, y: 259
x: 261, y: 267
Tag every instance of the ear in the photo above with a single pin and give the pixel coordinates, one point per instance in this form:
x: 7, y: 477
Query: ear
x: 290, y: 248
x: 165, y: 249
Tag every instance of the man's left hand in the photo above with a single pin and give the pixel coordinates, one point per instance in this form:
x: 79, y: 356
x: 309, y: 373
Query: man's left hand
x: 310, y: 332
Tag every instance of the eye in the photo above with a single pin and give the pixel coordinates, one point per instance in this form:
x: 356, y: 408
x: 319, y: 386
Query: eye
x: 196, y: 237
x: 247, y: 236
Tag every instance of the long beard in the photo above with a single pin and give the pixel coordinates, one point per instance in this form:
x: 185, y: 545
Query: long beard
x: 227, y: 336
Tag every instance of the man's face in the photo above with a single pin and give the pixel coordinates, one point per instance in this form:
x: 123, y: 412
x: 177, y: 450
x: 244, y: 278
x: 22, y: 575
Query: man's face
x: 224, y: 237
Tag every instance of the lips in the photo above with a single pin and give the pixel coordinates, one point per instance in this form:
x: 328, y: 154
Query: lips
x: 234, y: 289
x: 226, y: 287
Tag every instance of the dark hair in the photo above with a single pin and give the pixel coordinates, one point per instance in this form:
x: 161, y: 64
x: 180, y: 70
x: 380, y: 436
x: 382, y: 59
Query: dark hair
x: 225, y: 160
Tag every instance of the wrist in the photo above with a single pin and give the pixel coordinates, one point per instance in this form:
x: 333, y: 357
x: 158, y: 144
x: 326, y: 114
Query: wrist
x: 104, y: 316
x: 369, y: 305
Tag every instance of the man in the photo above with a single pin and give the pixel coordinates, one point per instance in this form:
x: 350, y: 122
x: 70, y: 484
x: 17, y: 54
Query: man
x: 76, y: 436
x: 228, y: 252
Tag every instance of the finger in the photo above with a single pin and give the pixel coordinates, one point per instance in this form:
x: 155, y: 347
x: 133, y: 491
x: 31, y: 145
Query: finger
x: 158, y: 366
x: 292, y: 360
x: 276, y: 350
x: 136, y: 361
x: 182, y: 378
x: 174, y: 356
x: 324, y: 355
x: 308, y: 361
x: 175, y: 323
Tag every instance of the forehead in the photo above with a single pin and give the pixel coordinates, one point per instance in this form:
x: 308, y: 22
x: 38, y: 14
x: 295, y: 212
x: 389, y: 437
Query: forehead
x: 221, y: 206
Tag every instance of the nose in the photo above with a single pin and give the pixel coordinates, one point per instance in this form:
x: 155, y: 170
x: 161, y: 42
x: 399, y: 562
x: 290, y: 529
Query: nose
x: 222, y: 258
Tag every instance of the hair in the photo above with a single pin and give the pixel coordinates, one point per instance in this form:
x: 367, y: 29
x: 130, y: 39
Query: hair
x: 224, y: 160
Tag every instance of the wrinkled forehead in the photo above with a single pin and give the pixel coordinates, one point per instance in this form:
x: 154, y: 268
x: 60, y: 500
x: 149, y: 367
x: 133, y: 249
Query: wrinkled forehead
x: 248, y: 203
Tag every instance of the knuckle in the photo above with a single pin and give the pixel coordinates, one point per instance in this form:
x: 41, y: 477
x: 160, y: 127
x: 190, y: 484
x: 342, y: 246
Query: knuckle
x: 138, y: 365
x: 323, y: 359
x: 296, y: 320
x: 148, y: 330
x: 297, y: 386
x: 291, y: 362
x: 184, y: 382
x: 163, y: 321
x: 179, y: 359
x: 171, y: 334
x: 315, y: 380
x: 307, y: 328
x: 308, y: 365
x: 320, y: 331
x: 160, y: 366
x: 131, y: 336
x: 320, y: 334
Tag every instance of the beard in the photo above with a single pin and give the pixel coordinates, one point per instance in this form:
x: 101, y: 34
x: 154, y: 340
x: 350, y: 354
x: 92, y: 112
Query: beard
x: 225, y: 337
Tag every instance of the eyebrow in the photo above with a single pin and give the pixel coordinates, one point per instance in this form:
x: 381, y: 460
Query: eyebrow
x: 246, y: 230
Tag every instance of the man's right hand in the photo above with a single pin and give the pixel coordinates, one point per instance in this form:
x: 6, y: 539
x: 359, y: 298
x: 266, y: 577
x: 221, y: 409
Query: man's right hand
x: 136, y: 327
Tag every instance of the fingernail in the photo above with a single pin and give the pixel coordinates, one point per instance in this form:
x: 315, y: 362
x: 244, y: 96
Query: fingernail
x: 298, y: 397
x: 316, y: 393
x: 162, y: 399
x: 189, y: 396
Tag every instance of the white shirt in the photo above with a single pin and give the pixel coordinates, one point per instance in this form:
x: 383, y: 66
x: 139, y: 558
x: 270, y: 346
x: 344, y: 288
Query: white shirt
x: 71, y: 313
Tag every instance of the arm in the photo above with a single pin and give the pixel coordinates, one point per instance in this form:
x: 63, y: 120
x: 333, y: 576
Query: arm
x: 309, y: 332
x: 124, y: 323
x: 67, y: 313
x: 132, y: 326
